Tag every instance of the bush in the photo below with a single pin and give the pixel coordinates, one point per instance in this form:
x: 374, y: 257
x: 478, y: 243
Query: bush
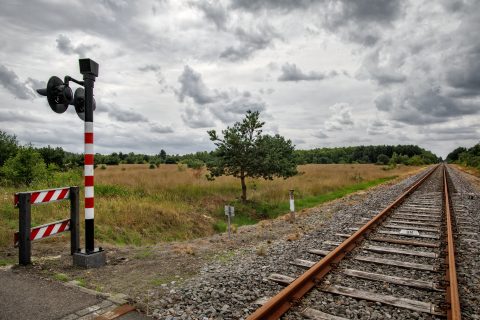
x: 383, y: 159
x: 25, y: 168
x: 8, y: 146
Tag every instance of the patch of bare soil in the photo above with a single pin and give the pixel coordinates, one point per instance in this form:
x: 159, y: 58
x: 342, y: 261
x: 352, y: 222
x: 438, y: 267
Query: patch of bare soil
x: 135, y: 270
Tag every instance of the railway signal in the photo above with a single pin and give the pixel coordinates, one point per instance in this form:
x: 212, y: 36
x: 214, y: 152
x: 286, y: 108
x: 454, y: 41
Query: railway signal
x: 59, y: 96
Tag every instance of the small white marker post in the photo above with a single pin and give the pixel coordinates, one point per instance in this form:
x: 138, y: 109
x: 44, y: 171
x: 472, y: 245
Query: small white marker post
x: 292, y: 207
x: 229, y: 212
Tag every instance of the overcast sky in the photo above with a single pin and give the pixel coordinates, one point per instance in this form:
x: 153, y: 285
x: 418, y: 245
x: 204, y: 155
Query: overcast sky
x: 323, y: 73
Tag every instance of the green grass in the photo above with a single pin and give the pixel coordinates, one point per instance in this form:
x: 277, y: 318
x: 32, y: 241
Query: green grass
x: 81, y: 282
x: 252, y: 211
x: 61, y: 277
x: 6, y: 262
x: 312, y: 201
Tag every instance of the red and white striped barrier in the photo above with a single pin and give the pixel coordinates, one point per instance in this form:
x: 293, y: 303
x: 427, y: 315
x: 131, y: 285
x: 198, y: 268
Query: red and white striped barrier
x: 46, y: 196
x: 45, y: 231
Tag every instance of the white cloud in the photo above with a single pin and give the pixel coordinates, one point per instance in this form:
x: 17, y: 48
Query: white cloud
x: 176, y: 68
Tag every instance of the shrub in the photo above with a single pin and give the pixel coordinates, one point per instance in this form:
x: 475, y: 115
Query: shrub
x: 25, y: 168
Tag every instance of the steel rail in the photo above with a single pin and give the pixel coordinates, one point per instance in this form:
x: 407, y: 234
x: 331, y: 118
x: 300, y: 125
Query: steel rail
x: 286, y: 298
x: 452, y: 297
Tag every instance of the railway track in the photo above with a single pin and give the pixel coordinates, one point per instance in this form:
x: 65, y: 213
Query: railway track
x: 400, y: 259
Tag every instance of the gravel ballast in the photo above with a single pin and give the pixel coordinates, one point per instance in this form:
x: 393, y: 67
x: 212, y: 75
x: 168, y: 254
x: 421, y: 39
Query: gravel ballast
x: 228, y: 286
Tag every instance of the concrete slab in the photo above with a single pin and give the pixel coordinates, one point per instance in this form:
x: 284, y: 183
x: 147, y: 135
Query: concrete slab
x: 23, y: 296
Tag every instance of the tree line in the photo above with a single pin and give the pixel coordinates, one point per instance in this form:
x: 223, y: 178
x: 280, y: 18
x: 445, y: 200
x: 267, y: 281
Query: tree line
x: 381, y: 154
x: 466, y: 156
x: 21, y: 164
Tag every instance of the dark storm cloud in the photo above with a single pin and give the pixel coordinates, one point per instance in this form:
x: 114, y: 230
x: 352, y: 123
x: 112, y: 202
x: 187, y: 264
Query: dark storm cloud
x: 107, y: 19
x: 419, y: 107
x: 192, y: 86
x: 213, y: 11
x: 451, y: 133
x: 360, y: 21
x: 377, y: 127
x: 65, y: 45
x: 385, y: 74
x: 465, y: 75
x: 290, y: 72
x: 21, y: 90
x: 282, y: 5
x: 224, y: 105
x: 250, y: 40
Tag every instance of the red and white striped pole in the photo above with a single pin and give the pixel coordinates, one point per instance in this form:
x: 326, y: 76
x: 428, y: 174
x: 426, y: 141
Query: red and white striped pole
x: 89, y: 69
x: 89, y: 187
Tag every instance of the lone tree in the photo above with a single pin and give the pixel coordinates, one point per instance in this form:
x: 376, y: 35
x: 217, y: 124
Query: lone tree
x: 245, y: 152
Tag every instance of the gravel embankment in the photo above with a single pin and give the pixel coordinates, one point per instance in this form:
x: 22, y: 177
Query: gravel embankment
x: 227, y: 287
x: 466, y: 205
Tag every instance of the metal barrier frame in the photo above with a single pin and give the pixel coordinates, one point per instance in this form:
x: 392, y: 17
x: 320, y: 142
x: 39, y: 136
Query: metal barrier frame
x: 24, y: 229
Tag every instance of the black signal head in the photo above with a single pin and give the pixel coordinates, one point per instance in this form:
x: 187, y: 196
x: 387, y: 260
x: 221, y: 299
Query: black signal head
x: 79, y: 103
x: 59, y: 95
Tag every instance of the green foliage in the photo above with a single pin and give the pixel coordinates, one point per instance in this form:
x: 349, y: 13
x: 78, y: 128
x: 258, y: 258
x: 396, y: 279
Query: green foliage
x: 455, y: 154
x: 54, y: 156
x: 245, y: 152
x: 25, y: 168
x: 193, y: 163
x: 365, y: 154
x: 383, y: 159
x: 467, y: 157
x: 8, y: 146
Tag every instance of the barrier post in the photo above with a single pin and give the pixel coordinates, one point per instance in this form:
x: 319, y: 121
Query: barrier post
x: 74, y: 220
x: 24, y: 244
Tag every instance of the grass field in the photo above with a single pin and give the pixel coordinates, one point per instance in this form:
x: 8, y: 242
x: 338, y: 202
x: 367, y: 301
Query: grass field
x: 137, y: 205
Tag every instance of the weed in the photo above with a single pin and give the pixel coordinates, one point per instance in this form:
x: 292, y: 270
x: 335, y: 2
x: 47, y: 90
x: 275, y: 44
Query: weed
x: 81, y: 282
x: 225, y: 256
x: 6, y: 262
x: 61, y: 277
x: 262, y: 250
x: 144, y: 254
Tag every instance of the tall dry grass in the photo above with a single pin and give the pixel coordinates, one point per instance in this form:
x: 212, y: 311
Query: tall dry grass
x: 138, y: 205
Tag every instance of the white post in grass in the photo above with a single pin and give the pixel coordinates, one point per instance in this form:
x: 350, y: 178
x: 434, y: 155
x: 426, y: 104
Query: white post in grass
x: 292, y: 207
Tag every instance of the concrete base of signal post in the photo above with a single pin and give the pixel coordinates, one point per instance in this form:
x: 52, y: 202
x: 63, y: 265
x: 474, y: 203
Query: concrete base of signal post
x: 95, y: 259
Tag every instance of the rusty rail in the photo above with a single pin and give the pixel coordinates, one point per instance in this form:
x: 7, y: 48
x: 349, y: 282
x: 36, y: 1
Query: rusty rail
x: 286, y: 298
x: 453, y: 300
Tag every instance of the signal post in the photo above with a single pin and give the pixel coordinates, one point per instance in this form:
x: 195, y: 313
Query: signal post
x: 59, y: 97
